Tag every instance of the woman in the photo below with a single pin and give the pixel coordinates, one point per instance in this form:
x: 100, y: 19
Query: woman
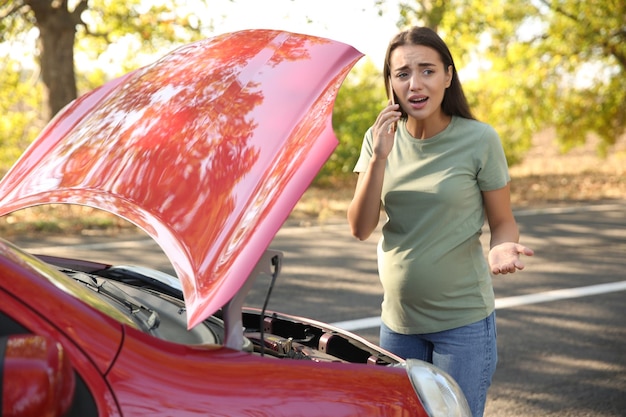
x: 436, y: 171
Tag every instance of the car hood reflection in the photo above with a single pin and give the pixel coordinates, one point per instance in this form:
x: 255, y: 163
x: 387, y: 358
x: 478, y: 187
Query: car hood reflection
x: 207, y: 150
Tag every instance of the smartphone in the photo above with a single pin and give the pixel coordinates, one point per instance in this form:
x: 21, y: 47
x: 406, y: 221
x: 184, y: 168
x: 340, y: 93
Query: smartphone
x: 392, y: 128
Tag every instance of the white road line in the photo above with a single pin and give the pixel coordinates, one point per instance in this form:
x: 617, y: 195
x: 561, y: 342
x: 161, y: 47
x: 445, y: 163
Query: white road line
x: 563, y: 294
x: 501, y: 303
x: 508, y: 302
x: 358, y: 324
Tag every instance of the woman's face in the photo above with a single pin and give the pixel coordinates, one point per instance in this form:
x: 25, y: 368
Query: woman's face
x: 419, y: 80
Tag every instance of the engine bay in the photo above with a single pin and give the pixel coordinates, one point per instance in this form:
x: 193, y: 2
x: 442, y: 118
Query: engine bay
x: 159, y: 309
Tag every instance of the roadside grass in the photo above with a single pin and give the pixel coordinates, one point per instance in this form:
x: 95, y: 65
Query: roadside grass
x: 545, y: 178
x: 549, y: 177
x: 60, y: 219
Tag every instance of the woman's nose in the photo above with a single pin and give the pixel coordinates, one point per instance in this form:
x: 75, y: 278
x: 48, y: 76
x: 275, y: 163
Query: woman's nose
x: 416, y: 83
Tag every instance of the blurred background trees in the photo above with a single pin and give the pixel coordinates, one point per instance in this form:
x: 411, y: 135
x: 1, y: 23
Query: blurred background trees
x: 538, y: 64
x: 36, y: 84
x: 90, y: 27
x: 526, y: 66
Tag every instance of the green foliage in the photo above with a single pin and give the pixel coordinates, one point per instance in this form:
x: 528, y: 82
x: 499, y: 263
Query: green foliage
x: 112, y: 38
x: 525, y: 66
x: 136, y: 30
x: 360, y: 99
x: 20, y: 98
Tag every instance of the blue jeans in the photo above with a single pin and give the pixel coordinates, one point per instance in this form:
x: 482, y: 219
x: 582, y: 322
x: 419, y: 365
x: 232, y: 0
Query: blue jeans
x: 469, y: 354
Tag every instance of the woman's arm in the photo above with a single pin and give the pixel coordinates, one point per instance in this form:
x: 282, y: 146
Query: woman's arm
x: 364, y: 209
x: 505, y: 251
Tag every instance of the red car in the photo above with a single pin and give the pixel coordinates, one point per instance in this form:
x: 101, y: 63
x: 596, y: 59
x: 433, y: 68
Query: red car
x: 207, y: 150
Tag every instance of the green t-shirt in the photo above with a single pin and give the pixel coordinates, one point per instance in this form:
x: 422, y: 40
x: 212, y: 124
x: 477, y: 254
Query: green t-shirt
x: 431, y: 263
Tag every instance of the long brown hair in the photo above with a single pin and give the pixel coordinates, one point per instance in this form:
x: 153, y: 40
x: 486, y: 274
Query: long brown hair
x: 454, y: 102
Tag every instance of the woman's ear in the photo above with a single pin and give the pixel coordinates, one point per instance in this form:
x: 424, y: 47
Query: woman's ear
x: 449, y: 75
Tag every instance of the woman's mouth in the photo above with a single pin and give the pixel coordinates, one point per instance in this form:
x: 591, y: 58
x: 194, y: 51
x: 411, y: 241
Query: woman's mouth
x: 418, y: 101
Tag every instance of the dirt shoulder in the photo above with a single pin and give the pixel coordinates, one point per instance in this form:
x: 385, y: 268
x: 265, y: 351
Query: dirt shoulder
x: 545, y: 178
x: 319, y: 206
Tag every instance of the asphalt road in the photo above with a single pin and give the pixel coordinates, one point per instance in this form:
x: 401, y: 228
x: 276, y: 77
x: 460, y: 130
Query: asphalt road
x: 561, y: 322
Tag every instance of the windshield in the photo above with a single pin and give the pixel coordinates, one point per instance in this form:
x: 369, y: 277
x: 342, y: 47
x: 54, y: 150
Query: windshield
x: 66, y: 284
x: 132, y: 296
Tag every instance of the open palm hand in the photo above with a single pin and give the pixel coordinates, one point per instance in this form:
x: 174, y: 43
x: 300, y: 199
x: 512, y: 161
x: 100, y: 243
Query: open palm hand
x: 505, y: 257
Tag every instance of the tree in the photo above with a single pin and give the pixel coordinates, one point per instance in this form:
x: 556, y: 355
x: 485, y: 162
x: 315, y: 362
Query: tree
x: 20, y: 98
x: 360, y: 99
x: 92, y: 25
x: 537, y: 64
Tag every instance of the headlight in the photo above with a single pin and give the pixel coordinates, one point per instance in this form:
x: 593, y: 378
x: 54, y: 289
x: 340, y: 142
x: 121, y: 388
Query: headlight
x: 440, y: 395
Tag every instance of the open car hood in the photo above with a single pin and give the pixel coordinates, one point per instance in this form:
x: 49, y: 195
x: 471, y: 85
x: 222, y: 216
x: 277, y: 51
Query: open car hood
x: 207, y: 150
